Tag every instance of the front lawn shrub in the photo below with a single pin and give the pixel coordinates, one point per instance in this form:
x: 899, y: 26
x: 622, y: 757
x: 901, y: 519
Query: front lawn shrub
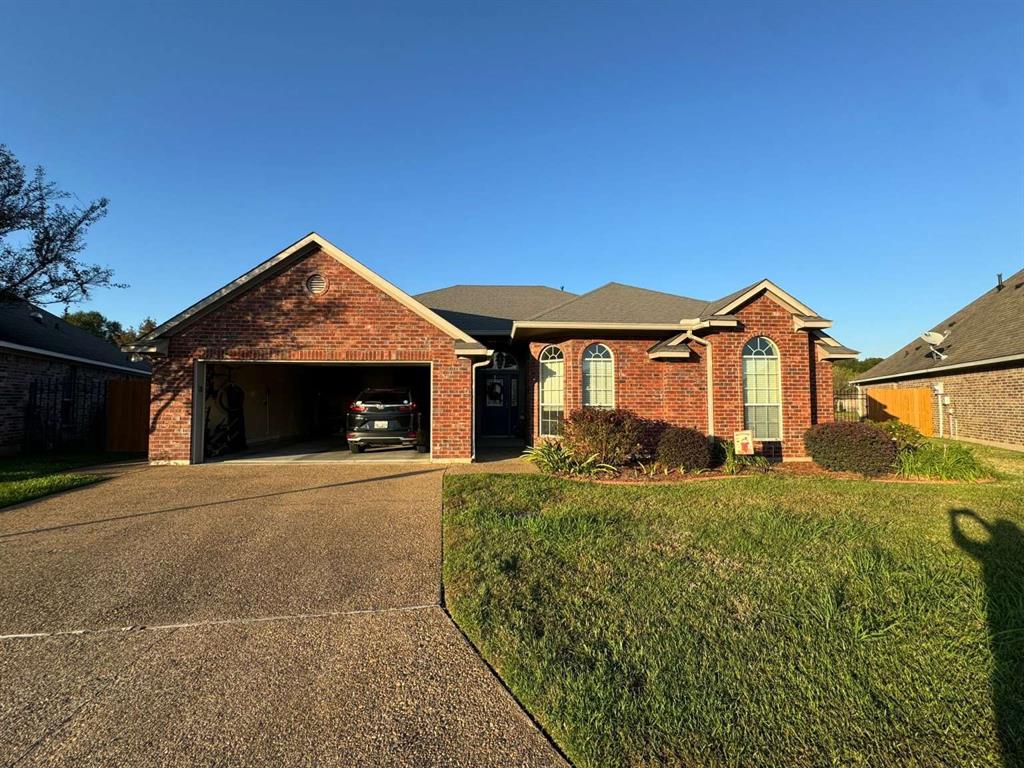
x: 851, y: 446
x: 550, y: 456
x: 904, y: 435
x: 684, y: 448
x: 612, y: 435
x: 942, y: 461
x: 650, y: 436
x: 554, y: 458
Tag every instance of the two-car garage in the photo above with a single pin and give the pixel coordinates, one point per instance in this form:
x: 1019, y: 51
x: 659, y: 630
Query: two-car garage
x: 253, y: 410
x: 270, y: 363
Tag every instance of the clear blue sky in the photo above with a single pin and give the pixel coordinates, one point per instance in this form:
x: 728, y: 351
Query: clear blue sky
x: 867, y: 156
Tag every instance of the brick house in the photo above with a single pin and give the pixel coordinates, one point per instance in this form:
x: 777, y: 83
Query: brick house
x: 300, y: 333
x: 975, y: 371
x: 53, y: 379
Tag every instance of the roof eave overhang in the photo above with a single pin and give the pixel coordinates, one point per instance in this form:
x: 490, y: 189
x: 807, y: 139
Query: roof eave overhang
x: 676, y: 354
x: 713, y: 321
x: 941, y: 369
x: 40, y: 352
x: 674, y: 348
x: 157, y: 347
x: 472, y: 352
x: 833, y: 349
x: 806, y: 324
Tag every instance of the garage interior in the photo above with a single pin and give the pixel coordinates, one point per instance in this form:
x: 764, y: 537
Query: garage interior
x: 295, y: 411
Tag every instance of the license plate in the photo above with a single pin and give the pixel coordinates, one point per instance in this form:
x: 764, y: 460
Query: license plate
x: 380, y: 425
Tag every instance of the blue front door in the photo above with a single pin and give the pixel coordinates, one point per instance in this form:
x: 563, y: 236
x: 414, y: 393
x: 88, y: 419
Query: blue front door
x: 499, y: 403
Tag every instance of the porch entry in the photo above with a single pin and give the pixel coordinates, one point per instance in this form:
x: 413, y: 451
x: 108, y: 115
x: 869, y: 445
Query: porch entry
x: 497, y: 390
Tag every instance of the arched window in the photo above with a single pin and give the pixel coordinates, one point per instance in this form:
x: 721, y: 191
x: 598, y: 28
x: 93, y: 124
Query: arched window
x: 552, y: 391
x: 598, y: 377
x: 502, y: 361
x: 762, y: 389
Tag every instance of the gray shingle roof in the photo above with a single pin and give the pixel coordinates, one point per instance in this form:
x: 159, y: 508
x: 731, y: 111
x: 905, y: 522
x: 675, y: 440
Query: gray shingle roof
x: 839, y: 349
x: 491, y: 308
x: 717, y: 304
x: 989, y: 327
x: 618, y: 303
x: 666, y: 346
x: 50, y: 333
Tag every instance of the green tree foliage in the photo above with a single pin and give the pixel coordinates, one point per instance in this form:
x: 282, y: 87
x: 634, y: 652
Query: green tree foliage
x: 41, y: 239
x: 99, y: 325
x: 844, y: 371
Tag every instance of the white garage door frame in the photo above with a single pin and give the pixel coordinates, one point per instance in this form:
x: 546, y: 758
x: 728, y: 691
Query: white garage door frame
x: 199, y: 390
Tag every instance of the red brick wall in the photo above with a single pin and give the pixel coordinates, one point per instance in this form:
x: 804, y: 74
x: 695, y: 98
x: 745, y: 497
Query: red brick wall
x: 802, y: 374
x: 671, y: 391
x: 985, y: 405
x: 824, y: 384
x: 674, y: 391
x: 278, y: 320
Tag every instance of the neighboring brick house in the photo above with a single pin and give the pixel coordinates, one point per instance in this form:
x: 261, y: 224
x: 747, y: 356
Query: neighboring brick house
x: 52, y: 380
x: 311, y: 325
x: 975, y: 373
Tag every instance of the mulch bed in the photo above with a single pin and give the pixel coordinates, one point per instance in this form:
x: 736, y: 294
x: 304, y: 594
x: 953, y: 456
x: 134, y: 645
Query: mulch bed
x: 634, y: 476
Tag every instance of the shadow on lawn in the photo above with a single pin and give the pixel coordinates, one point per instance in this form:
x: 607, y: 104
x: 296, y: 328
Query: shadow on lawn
x: 1001, y: 556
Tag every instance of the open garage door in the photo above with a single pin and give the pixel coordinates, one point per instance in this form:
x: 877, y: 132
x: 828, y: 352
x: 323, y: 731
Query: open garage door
x: 288, y: 410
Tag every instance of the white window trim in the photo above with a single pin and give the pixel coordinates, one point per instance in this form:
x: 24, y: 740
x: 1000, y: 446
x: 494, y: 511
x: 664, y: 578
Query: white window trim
x: 778, y: 359
x: 583, y: 375
x: 540, y: 389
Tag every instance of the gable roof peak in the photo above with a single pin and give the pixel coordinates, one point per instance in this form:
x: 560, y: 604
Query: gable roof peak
x: 729, y: 304
x: 267, y: 269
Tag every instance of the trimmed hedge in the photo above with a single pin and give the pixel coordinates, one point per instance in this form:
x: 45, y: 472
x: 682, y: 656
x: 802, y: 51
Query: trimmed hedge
x: 851, y: 446
x: 612, y: 435
x: 684, y: 448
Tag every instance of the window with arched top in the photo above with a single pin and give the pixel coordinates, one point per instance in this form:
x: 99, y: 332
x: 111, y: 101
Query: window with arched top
x: 552, y: 391
x: 502, y: 361
x: 762, y: 389
x: 598, y: 377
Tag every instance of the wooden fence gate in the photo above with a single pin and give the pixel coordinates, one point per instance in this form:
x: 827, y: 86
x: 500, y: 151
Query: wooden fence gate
x: 911, y: 406
x: 128, y: 415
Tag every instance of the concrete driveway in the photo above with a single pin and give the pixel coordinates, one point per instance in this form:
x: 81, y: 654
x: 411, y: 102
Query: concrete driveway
x: 243, y: 614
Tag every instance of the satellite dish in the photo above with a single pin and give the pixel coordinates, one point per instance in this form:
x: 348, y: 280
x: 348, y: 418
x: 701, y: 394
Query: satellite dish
x: 933, y: 339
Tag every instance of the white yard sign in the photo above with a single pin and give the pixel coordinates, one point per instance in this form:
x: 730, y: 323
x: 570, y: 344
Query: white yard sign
x: 743, y: 441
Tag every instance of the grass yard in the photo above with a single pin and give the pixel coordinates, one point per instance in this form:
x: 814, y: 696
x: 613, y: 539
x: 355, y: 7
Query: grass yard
x: 25, y: 478
x: 761, y: 620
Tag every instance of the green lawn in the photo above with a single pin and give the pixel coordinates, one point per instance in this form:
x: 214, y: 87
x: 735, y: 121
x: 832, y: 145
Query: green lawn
x: 753, y: 621
x: 23, y: 478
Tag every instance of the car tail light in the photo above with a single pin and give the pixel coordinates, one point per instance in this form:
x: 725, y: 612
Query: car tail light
x: 350, y: 434
x: 412, y: 434
x: 357, y: 408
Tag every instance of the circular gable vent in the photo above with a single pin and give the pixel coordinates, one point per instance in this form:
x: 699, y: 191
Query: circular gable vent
x: 316, y: 284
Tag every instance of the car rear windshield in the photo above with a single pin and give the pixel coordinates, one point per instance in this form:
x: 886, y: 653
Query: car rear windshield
x: 384, y: 396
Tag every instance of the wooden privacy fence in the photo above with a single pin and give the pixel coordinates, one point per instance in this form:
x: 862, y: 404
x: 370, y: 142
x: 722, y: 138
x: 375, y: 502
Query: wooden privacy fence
x: 128, y: 415
x: 911, y: 406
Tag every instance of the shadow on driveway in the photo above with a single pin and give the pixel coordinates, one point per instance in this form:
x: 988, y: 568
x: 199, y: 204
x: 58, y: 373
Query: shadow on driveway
x: 191, y: 507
